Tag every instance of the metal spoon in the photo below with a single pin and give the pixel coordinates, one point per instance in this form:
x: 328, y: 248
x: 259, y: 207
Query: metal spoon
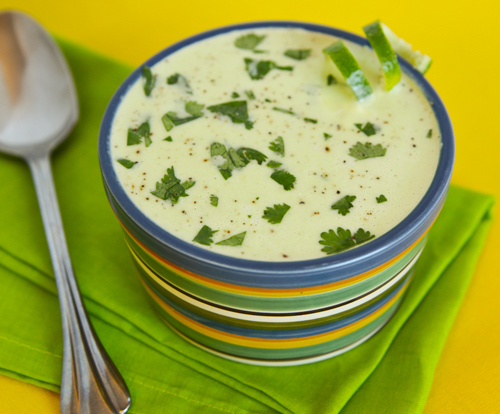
x: 38, y: 109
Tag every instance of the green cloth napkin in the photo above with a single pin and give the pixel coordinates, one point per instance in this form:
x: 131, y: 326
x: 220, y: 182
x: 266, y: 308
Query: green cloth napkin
x: 390, y: 373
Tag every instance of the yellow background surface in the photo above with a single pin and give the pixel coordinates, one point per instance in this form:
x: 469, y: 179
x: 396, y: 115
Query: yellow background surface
x: 463, y: 39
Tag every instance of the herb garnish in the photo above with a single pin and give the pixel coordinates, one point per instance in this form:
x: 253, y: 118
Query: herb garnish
x: 170, y: 187
x: 343, y: 240
x: 257, y: 69
x: 312, y: 121
x: 327, y: 136
x: 181, y: 80
x: 236, y: 110
x: 127, y: 163
x: 227, y: 165
x: 214, y: 200
x: 369, y: 129
x: 284, y: 178
x: 235, y: 95
x: 285, y: 111
x: 188, y: 184
x: 249, y: 41
x: 248, y: 154
x: 381, y: 199
x: 278, y: 146
x: 135, y: 136
x: 236, y: 240
x: 275, y: 214
x: 194, y: 108
x: 250, y: 94
x: 205, y: 235
x: 274, y: 164
x: 298, y: 54
x: 344, y: 204
x: 367, y: 150
x: 429, y: 133
x: 170, y: 119
x: 330, y: 80
x: 148, y: 80
x: 169, y: 139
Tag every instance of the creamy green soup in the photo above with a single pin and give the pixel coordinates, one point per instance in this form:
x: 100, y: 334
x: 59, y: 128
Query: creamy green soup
x: 269, y: 147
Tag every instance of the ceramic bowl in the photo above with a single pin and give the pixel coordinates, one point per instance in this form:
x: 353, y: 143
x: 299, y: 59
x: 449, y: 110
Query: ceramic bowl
x: 276, y: 312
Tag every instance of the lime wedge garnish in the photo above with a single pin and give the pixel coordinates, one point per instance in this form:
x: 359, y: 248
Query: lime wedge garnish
x: 418, y: 60
x: 385, y: 53
x: 349, y: 68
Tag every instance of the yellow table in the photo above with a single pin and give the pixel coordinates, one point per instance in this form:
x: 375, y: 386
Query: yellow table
x: 463, y: 40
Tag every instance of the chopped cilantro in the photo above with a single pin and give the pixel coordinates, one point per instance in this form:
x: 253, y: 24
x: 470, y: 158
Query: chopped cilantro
x: 284, y: 178
x: 188, y: 184
x: 381, y: 199
x: 236, y: 110
x: 170, y: 119
x: 225, y: 166
x: 369, y: 129
x: 194, y: 108
x: 285, y: 111
x: 248, y: 124
x: 205, y: 235
x: 235, y: 95
x: 170, y: 187
x: 249, y: 41
x: 250, y: 94
x: 327, y: 136
x: 135, y: 136
x: 298, y: 54
x: 342, y: 240
x: 275, y: 214
x: 429, y: 133
x: 367, y: 150
x: 169, y: 139
x: 127, y: 163
x: 248, y: 154
x: 274, y: 164
x: 236, y: 240
x: 177, y: 78
x: 214, y: 200
x: 267, y: 100
x: 258, y: 69
x: 330, y: 80
x: 148, y: 80
x: 278, y: 146
x: 312, y: 121
x: 344, y: 204
x: 167, y: 122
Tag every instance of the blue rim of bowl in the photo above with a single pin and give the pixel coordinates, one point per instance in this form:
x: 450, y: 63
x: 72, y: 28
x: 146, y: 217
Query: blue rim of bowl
x: 295, y: 273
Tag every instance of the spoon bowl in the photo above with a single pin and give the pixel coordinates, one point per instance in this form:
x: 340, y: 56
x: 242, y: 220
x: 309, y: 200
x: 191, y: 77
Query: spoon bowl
x: 38, y: 109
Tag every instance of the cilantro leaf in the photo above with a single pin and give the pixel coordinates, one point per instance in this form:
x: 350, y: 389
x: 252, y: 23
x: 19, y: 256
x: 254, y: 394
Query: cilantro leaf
x: 258, y: 69
x: 170, y: 119
x: 235, y: 95
x: 330, y: 80
x: 214, y: 200
x: 368, y: 129
x: 177, y: 78
x: 127, y: 163
x: 169, y: 139
x: 381, y: 199
x: 344, y: 204
x: 327, y: 136
x: 225, y: 165
x: 188, y: 184
x: 135, y: 136
x: 275, y: 214
x: 367, y: 150
x: 236, y: 110
x: 343, y: 240
x: 362, y: 236
x: 170, y: 187
x: 284, y: 178
x: 194, y: 108
x: 236, y: 240
x: 429, y: 133
x: 205, y: 235
x: 248, y: 124
x: 278, y: 146
x: 298, y: 54
x: 248, y: 154
x: 274, y: 164
x: 249, y: 41
x: 148, y: 80
x: 250, y: 94
x: 312, y: 121
x: 285, y: 111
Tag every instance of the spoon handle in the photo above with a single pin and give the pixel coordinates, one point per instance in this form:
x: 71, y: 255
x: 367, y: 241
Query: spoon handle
x: 90, y: 382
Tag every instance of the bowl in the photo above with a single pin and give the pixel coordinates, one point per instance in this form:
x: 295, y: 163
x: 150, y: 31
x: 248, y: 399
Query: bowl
x: 276, y: 313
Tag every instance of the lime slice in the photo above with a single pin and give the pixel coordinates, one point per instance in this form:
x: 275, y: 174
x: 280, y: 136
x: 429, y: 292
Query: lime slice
x: 349, y: 68
x: 385, y: 53
x: 418, y: 60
